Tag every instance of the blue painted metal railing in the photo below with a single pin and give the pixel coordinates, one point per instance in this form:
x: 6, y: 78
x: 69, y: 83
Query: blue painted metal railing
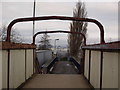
x: 75, y: 63
x: 48, y: 66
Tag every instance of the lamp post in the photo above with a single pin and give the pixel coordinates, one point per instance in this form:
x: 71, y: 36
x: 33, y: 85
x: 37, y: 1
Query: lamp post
x: 55, y: 46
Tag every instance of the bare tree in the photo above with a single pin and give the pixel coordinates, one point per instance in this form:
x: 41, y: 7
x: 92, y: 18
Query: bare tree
x: 76, y: 40
x: 15, y: 35
x: 44, y: 42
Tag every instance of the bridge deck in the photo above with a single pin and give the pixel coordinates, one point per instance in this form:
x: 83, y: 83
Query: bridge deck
x: 64, y: 67
x: 57, y: 81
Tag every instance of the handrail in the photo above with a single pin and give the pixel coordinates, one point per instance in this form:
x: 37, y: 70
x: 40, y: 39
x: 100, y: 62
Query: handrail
x: 58, y: 32
x: 76, y: 64
x: 56, y: 17
x: 50, y: 65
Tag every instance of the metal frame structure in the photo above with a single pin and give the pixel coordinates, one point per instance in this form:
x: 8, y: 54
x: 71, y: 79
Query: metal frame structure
x: 59, y: 32
x: 59, y: 18
x: 109, y: 47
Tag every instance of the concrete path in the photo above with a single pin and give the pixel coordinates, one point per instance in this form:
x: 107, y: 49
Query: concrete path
x: 64, y: 67
x: 57, y: 81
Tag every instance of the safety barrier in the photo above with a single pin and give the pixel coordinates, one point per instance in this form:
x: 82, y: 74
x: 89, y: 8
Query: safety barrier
x: 75, y: 63
x: 101, y: 65
x: 17, y: 64
x: 48, y: 65
x: 16, y: 56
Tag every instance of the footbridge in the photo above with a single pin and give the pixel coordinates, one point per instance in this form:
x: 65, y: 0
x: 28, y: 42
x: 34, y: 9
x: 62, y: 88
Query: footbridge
x: 98, y: 67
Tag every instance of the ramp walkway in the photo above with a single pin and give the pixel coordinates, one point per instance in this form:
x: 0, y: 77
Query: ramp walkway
x: 64, y: 67
x: 57, y: 81
x: 64, y: 75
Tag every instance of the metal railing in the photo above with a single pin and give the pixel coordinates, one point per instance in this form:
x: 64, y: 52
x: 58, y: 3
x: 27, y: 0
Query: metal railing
x: 59, y: 18
x: 75, y: 63
x: 102, y: 41
x: 59, y: 32
x: 48, y: 65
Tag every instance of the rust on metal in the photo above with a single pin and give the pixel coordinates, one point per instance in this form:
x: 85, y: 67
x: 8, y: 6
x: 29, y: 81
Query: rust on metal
x: 7, y: 45
x: 59, y: 32
x: 59, y: 18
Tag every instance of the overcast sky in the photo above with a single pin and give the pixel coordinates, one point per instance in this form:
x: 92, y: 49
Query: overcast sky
x: 106, y: 12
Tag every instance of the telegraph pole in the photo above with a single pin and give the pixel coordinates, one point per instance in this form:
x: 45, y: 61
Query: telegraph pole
x: 33, y: 17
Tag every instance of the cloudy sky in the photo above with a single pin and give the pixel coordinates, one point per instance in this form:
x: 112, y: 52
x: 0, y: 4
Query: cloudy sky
x: 104, y: 11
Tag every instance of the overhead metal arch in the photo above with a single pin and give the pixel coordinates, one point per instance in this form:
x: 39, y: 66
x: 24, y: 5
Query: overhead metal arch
x: 59, y: 31
x: 59, y: 18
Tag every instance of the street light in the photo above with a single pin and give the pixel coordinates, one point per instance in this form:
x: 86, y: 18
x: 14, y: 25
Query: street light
x: 55, y: 45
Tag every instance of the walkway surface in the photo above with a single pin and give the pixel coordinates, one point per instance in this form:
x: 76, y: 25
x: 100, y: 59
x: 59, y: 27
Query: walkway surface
x: 57, y: 81
x: 64, y: 67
